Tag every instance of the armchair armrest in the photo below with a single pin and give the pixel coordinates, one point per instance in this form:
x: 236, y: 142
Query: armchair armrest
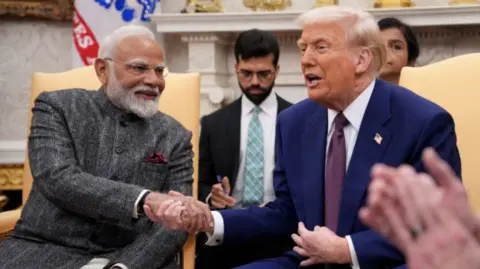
x: 8, y: 219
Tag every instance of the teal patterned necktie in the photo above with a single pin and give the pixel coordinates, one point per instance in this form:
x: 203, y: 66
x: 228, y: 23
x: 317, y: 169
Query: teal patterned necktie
x: 253, y: 184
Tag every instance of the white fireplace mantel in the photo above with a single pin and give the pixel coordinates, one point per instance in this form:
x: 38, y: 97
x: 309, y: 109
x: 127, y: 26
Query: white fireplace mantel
x: 209, y: 35
x: 285, y: 20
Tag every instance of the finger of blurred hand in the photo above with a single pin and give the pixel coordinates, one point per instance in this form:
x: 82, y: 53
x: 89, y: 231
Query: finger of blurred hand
x: 376, y: 191
x: 406, y: 201
x: 428, y: 197
x: 396, y: 227
x: 383, y: 172
x: 438, y: 168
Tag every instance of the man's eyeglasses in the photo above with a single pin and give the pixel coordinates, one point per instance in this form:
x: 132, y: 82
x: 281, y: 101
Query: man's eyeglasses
x: 262, y: 76
x: 139, y: 69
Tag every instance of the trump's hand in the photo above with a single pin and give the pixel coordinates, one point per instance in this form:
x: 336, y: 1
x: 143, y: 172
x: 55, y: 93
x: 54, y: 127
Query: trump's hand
x: 180, y: 212
x: 321, y: 246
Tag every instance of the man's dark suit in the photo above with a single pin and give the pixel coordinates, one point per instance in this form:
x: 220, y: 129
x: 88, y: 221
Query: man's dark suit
x: 89, y: 165
x: 407, y: 124
x: 219, y: 155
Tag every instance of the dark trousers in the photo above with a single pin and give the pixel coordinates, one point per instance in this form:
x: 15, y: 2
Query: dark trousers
x: 227, y: 257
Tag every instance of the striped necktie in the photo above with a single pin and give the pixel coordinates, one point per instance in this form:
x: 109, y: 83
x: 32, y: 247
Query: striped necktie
x: 253, y: 184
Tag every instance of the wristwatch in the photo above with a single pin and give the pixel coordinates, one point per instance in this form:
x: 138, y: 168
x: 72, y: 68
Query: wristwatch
x: 140, y: 211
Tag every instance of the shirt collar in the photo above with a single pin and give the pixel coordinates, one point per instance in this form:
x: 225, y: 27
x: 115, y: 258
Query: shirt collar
x: 269, y: 105
x: 355, y: 111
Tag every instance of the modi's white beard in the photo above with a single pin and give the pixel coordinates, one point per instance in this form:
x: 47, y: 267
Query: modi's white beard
x: 125, y: 99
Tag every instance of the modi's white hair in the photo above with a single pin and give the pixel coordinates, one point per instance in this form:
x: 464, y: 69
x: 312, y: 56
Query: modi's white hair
x: 107, y: 47
x: 360, y: 27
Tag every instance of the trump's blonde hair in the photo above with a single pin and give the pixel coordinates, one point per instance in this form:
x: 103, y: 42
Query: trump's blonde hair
x: 360, y: 27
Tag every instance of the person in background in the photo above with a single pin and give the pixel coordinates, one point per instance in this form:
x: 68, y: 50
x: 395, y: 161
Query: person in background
x: 428, y: 217
x: 402, y: 48
x: 237, y: 145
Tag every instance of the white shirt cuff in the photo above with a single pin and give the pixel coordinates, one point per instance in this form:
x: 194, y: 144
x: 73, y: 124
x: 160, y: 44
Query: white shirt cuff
x: 134, y: 212
x: 216, y: 238
x: 353, y: 254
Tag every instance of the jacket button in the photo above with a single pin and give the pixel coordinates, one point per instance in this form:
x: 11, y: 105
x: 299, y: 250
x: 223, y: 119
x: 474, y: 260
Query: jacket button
x: 118, y: 150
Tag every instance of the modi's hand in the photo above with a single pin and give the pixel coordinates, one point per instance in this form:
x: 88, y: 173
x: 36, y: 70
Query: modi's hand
x: 179, y: 212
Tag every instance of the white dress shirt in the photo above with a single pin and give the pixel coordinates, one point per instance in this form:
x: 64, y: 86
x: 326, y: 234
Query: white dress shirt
x: 354, y: 114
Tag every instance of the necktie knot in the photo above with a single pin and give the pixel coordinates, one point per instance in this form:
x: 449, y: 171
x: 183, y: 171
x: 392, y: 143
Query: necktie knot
x: 256, y: 110
x: 340, y: 121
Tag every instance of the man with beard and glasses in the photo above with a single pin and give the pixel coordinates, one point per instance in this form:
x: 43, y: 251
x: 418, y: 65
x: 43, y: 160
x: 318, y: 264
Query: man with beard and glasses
x: 98, y: 158
x: 237, y: 144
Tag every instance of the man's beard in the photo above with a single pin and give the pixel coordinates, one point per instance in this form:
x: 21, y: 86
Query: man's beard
x: 258, y: 98
x: 126, y: 100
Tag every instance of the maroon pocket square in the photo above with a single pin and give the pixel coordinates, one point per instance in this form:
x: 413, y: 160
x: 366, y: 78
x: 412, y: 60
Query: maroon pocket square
x: 156, y: 158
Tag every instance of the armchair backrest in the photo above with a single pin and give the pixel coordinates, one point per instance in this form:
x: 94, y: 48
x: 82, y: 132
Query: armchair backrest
x: 454, y: 84
x: 180, y: 99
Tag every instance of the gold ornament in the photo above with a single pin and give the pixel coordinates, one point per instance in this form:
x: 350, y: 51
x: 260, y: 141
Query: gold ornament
x: 322, y: 3
x: 463, y: 2
x: 267, y: 5
x: 393, y: 3
x: 199, y: 6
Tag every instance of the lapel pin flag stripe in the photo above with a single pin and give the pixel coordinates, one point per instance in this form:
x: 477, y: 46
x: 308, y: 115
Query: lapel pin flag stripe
x: 378, y: 138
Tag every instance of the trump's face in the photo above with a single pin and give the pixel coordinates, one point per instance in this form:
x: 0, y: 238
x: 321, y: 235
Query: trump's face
x: 327, y: 64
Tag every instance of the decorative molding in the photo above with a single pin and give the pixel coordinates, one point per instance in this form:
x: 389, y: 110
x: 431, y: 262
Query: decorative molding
x: 11, y: 177
x: 205, y: 38
x: 58, y: 10
x: 12, y: 152
x: 285, y: 20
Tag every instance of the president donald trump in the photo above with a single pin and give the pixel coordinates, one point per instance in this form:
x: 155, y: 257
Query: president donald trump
x: 327, y: 144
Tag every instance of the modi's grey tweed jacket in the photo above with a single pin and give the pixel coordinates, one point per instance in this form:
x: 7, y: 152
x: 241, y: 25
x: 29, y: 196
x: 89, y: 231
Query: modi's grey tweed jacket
x: 88, y: 163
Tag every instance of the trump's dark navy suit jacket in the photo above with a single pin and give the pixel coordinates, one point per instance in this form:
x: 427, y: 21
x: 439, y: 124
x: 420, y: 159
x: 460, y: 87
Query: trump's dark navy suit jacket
x: 407, y: 123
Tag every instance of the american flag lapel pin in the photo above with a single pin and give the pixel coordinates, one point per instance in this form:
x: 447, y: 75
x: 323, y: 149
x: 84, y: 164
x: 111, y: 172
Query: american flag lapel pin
x: 378, y: 138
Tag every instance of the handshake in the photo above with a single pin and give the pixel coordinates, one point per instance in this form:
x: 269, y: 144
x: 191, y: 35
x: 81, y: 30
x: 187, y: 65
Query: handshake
x: 178, y: 212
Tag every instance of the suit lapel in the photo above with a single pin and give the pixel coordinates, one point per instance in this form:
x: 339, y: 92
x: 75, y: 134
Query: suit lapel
x: 233, y: 134
x: 281, y: 104
x: 367, y: 152
x: 313, y: 160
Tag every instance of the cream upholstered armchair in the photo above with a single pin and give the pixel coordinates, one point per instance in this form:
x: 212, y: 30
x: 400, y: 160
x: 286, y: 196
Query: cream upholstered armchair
x: 180, y: 99
x: 454, y: 84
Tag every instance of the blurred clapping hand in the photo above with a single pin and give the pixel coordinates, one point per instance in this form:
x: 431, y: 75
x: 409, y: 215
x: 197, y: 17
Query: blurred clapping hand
x: 427, y: 217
